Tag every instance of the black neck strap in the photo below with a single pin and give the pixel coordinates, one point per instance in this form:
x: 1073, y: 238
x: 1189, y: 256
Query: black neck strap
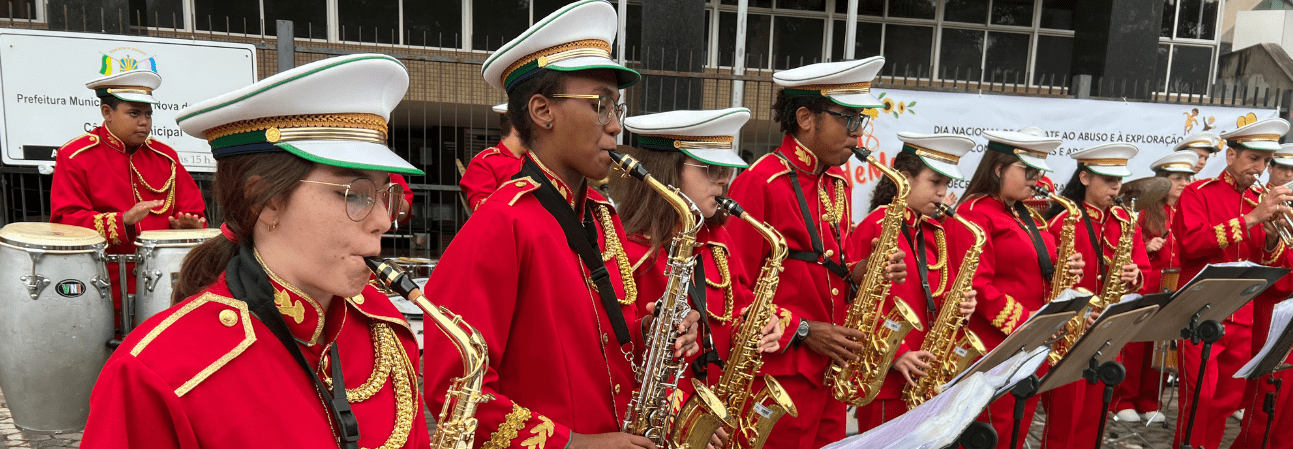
x: 1039, y: 245
x: 922, y: 264
x: 1097, y: 245
x: 249, y: 283
x: 581, y: 238
x: 818, y: 255
x: 708, y: 355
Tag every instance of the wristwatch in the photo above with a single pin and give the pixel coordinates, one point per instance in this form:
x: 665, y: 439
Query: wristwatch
x: 800, y: 334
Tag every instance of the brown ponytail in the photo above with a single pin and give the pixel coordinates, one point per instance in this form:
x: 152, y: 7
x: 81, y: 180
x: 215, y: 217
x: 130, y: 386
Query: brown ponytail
x: 244, y: 185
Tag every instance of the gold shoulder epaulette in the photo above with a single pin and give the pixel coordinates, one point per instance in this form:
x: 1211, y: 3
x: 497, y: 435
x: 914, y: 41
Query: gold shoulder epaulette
x: 524, y: 185
x: 79, y: 144
x: 214, y: 320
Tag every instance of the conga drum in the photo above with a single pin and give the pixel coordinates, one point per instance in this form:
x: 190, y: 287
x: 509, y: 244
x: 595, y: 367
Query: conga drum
x: 157, y: 266
x: 1164, y: 358
x: 55, y: 325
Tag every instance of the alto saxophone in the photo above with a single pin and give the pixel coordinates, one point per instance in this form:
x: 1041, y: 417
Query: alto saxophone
x: 456, y: 425
x: 1113, y: 289
x: 648, y: 411
x: 744, y: 362
x: 1062, y: 279
x: 858, y: 382
x: 951, y: 355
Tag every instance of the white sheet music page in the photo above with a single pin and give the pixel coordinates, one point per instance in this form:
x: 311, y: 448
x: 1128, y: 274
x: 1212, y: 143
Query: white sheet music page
x: 935, y: 424
x: 1279, y: 322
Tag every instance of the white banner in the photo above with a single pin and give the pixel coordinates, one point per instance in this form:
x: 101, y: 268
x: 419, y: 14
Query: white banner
x: 45, y: 102
x: 1153, y: 127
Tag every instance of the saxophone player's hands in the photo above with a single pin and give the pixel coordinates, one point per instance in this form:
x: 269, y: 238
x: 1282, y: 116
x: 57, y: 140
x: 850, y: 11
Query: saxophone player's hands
x: 968, y: 302
x: 913, y: 363
x: 617, y: 440
x: 1075, y: 265
x: 684, y: 345
x: 770, y: 338
x: 837, y: 342
x: 718, y: 440
x: 895, y: 271
x: 1130, y: 274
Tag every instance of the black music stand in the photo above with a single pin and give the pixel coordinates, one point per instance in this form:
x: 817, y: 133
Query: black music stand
x: 1195, y: 313
x: 1268, y: 362
x: 1094, y: 356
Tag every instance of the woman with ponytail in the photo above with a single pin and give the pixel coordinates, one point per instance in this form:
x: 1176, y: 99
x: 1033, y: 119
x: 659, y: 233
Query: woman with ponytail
x: 277, y: 340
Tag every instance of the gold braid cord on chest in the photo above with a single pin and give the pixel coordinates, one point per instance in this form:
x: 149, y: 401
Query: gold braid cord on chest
x: 940, y: 239
x: 615, y: 250
x: 725, y: 284
x: 833, y: 211
x: 390, y: 362
x: 168, y: 188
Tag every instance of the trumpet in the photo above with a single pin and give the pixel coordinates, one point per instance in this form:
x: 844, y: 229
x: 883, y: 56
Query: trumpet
x: 1283, y: 219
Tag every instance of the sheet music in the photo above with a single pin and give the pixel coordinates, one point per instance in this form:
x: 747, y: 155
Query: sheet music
x: 1060, y: 304
x: 935, y: 424
x: 1028, y: 364
x: 1279, y: 322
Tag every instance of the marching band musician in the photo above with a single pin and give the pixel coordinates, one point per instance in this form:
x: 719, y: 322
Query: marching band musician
x: 1012, y: 281
x: 495, y: 165
x: 800, y: 190
x: 929, y: 161
x: 223, y: 368
x: 1138, y: 393
x: 1224, y: 220
x: 1253, y: 423
x: 691, y: 150
x: 118, y: 180
x: 1072, y: 409
x: 1204, y: 144
x: 528, y: 272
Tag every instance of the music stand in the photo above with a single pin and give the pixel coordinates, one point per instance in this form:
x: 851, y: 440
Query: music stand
x: 1195, y: 313
x: 1094, y: 356
x: 1270, y: 360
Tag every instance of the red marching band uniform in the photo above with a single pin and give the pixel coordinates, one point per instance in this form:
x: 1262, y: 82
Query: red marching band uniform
x: 1073, y: 409
x: 486, y: 172
x: 888, y: 403
x: 1211, y: 229
x: 1140, y: 389
x: 512, y: 276
x: 808, y: 290
x: 97, y: 179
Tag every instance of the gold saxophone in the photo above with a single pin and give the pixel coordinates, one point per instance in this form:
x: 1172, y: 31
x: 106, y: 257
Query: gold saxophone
x: 456, y: 425
x: 648, y: 412
x: 1113, y: 289
x: 858, y: 382
x: 744, y: 362
x: 951, y: 355
x: 1062, y: 279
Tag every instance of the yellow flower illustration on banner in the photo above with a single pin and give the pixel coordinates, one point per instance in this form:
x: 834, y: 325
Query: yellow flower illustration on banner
x: 894, y: 107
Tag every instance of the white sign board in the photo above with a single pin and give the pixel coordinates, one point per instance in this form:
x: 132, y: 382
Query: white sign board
x: 45, y: 102
x: 1155, y: 128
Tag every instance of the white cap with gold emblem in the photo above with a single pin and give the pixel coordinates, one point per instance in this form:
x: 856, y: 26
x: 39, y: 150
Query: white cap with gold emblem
x: 941, y: 152
x: 1179, y: 161
x: 303, y: 111
x: 1261, y: 135
x: 1031, y: 149
x: 1108, y: 159
x: 847, y: 83
x: 135, y: 85
x: 706, y: 136
x: 500, y: 108
x: 576, y: 37
x: 1284, y: 155
x: 1204, y: 140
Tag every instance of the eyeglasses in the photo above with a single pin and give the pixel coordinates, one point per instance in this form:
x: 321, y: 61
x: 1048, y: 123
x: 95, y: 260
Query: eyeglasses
x: 361, y: 194
x: 1185, y: 177
x: 716, y: 173
x: 605, y: 106
x: 851, y: 122
x: 1029, y: 171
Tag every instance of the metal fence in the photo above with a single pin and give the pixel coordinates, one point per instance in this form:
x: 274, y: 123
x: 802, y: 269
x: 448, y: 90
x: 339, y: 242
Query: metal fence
x: 445, y: 117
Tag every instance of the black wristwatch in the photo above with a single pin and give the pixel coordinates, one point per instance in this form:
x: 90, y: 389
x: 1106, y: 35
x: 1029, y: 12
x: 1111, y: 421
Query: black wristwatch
x: 800, y: 334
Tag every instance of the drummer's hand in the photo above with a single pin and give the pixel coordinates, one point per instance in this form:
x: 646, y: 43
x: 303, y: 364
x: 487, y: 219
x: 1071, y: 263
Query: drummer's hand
x: 137, y: 212
x: 184, y: 220
x: 1154, y: 244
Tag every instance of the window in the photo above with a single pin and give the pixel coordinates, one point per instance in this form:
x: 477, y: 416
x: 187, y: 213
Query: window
x: 544, y: 7
x: 805, y: 5
x: 1007, y: 58
x: 1160, y: 70
x: 967, y: 11
x: 961, y: 56
x: 228, y: 16
x: 1169, y: 18
x: 370, y: 20
x: 757, y: 26
x: 1058, y: 14
x: 1054, y: 55
x: 494, y: 22
x: 915, y: 9
x: 1197, y: 19
x: 866, y: 45
x: 309, y: 17
x: 633, y: 32
x: 433, y: 23
x: 907, y: 49
x: 797, y: 41
x: 156, y: 13
x: 27, y: 9
x: 752, y: 3
x: 865, y: 7
x: 1012, y: 12
x: 1190, y: 68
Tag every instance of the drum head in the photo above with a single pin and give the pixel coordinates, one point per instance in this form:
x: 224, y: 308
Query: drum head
x: 49, y: 236
x: 176, y: 236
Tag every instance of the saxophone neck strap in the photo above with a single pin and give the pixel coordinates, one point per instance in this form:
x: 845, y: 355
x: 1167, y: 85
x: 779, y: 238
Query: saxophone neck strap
x: 1039, y: 245
x: 1097, y: 246
x: 581, y: 238
x: 248, y: 282
x: 922, y: 264
x: 818, y: 255
x: 708, y: 355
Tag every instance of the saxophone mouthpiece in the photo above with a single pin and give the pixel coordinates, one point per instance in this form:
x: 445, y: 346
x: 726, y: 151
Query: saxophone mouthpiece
x: 1042, y: 191
x: 730, y: 206
x: 392, y: 276
x: 943, y: 210
x: 629, y: 165
x: 861, y: 153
